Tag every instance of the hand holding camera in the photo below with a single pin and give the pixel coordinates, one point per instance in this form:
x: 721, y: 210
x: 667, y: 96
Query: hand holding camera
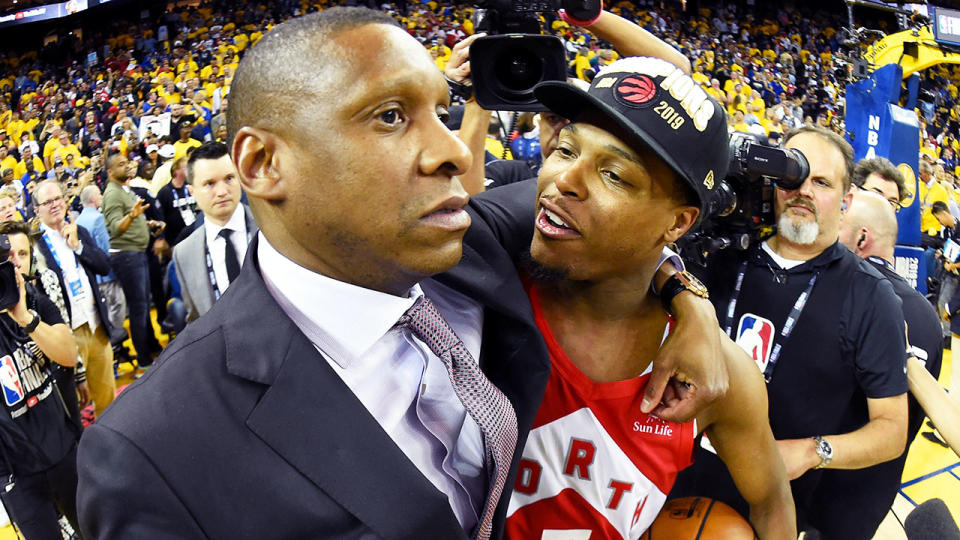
x: 19, y: 312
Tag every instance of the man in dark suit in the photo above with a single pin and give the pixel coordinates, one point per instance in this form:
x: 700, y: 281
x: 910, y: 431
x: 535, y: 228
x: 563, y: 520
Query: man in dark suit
x: 303, y: 405
x: 72, y: 253
x: 227, y: 229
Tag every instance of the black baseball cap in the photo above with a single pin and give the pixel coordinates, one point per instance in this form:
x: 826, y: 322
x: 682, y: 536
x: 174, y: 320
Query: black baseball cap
x: 656, y: 106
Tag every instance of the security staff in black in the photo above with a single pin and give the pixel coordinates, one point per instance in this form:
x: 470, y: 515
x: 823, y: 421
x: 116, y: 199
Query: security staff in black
x: 38, y: 440
x: 869, y: 229
x: 826, y: 330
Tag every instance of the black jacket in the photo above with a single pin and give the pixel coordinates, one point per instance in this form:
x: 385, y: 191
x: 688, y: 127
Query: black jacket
x: 94, y: 262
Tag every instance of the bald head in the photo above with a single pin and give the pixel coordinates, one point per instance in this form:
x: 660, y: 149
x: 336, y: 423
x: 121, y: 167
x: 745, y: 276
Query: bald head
x: 869, y: 226
x: 291, y: 64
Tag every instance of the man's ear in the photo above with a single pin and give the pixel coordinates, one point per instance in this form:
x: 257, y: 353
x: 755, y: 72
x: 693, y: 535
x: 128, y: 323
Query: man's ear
x: 255, y: 155
x: 684, y: 218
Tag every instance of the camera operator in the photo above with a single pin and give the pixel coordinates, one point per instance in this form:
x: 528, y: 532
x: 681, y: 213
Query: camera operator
x: 38, y: 439
x: 628, y: 39
x: 826, y: 330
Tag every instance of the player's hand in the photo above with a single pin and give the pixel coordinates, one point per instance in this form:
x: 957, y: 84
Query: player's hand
x: 689, y: 373
x: 799, y: 456
x: 458, y: 66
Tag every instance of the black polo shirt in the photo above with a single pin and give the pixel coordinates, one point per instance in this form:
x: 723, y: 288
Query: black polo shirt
x: 847, y: 345
x: 872, y: 490
x: 35, y: 430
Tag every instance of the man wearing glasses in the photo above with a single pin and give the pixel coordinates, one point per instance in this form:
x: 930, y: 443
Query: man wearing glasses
x: 71, y: 252
x: 880, y: 176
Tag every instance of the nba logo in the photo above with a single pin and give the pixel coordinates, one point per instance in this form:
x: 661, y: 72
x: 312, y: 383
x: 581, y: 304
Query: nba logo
x: 755, y: 336
x: 10, y: 381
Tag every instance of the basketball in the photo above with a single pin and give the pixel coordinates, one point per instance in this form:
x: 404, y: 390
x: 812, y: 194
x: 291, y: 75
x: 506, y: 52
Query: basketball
x: 698, y: 518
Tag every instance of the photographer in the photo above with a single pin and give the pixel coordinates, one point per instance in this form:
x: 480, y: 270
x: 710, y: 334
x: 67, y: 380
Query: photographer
x: 37, y: 437
x: 826, y: 330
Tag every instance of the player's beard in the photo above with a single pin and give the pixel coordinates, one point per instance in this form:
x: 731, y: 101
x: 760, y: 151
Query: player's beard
x: 803, y: 233
x: 539, y: 273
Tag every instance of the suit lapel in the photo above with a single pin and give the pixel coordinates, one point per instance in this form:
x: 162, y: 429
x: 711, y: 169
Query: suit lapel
x: 196, y: 257
x: 48, y: 255
x: 316, y: 423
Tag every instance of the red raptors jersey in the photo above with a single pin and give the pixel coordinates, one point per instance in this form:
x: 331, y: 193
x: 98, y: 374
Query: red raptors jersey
x: 594, y: 466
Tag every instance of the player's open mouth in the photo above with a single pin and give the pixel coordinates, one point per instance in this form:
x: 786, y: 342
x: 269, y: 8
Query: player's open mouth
x: 552, y: 225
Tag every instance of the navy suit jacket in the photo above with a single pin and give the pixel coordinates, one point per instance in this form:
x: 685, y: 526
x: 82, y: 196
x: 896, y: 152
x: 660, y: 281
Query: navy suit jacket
x: 242, y: 429
x: 94, y: 262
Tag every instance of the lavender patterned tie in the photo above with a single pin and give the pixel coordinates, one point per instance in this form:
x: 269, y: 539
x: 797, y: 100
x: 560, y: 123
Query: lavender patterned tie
x: 484, y: 402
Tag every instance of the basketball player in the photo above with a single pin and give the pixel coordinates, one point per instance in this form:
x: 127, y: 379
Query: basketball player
x: 622, y: 183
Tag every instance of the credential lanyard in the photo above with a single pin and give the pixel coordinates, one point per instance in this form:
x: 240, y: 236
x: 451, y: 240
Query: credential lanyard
x: 210, y: 273
x: 56, y: 258
x: 788, y: 325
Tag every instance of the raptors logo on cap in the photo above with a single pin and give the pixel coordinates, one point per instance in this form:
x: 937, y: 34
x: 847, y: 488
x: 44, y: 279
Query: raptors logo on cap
x: 634, y: 90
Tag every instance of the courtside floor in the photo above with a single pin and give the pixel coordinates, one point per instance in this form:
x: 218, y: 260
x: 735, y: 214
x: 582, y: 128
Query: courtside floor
x: 931, y: 471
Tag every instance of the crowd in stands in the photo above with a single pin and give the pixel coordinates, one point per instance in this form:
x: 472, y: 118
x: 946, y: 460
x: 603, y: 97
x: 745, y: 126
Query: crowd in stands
x: 162, y: 89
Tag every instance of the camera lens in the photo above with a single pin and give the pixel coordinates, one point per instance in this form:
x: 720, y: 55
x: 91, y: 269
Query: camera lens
x: 518, y: 70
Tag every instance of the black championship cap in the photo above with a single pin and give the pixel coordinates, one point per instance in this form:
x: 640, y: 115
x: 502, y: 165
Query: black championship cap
x: 659, y: 107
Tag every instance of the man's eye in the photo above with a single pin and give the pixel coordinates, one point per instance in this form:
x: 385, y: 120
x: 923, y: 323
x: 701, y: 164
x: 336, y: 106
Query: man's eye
x: 391, y: 116
x: 613, y: 177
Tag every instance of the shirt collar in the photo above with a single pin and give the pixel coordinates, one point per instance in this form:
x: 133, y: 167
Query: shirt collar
x: 342, y: 319
x: 236, y: 223
x: 52, y: 232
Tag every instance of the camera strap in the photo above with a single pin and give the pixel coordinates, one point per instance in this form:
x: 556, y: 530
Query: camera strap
x: 788, y: 325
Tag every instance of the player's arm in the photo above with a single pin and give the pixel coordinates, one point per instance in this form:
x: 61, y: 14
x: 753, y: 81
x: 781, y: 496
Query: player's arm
x: 739, y: 430
x: 688, y: 371
x: 630, y: 39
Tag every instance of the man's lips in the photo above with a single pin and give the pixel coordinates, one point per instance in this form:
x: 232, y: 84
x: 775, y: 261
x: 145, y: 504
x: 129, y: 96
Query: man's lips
x: 796, y: 205
x: 554, y: 223
x: 449, y: 214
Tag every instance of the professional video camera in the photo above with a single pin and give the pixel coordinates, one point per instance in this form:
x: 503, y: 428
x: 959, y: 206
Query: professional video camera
x: 741, y: 211
x: 9, y: 292
x: 513, y: 57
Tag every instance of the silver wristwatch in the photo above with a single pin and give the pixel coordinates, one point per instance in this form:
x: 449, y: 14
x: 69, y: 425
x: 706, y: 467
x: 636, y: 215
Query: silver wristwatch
x: 824, y: 450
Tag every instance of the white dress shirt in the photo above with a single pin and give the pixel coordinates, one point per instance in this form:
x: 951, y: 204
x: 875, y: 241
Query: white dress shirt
x: 83, y: 307
x: 218, y: 245
x: 403, y: 385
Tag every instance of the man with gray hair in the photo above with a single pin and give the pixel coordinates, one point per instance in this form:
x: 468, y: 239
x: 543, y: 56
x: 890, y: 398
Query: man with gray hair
x: 91, y: 219
x: 826, y: 331
x: 71, y: 252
